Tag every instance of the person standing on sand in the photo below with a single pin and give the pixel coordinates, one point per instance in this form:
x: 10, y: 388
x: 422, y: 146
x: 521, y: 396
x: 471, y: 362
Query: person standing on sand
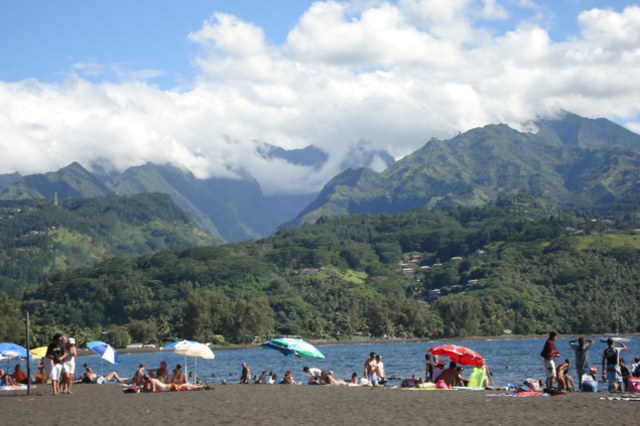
x: 428, y: 375
x: 581, y: 347
x: 53, y: 362
x: 549, y: 353
x: 370, y: 369
x: 246, y: 374
x: 69, y: 365
x: 612, y: 371
x: 380, y: 374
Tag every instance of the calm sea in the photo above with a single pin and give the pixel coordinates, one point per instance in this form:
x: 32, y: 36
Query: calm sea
x: 511, y: 361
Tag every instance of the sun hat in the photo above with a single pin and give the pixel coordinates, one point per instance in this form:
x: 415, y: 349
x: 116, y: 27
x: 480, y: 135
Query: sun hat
x: 71, y: 341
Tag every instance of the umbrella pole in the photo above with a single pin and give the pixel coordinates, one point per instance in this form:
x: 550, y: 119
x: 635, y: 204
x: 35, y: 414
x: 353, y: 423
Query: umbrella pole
x: 28, y: 357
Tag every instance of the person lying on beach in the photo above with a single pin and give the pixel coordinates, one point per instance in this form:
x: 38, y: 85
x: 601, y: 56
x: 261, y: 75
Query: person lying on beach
x: 90, y: 377
x: 154, y: 385
x: 326, y: 378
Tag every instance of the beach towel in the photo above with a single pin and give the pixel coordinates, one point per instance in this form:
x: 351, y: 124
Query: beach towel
x: 476, y: 380
x: 15, y: 388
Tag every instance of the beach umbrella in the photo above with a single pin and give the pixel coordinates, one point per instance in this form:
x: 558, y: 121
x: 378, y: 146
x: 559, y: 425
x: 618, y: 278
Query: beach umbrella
x: 458, y: 354
x: 105, y: 351
x: 38, y: 352
x: 196, y: 350
x: 175, y: 345
x: 291, y: 347
x: 12, y: 351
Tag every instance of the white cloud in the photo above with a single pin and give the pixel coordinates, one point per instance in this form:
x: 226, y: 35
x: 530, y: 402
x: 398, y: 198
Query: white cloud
x: 393, y: 74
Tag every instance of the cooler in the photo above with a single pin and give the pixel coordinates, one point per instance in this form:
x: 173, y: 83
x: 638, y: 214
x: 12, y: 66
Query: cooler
x: 633, y: 384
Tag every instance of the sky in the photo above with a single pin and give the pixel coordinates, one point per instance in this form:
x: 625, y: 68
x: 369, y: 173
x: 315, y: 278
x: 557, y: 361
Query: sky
x: 199, y: 83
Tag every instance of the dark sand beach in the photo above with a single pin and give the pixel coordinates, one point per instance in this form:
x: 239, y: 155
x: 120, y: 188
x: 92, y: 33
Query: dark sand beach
x: 304, y: 405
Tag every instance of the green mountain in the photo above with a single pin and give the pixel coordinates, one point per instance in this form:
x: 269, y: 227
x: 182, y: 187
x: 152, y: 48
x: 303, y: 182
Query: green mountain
x: 38, y: 238
x: 515, y: 264
x: 228, y: 209
x: 573, y: 163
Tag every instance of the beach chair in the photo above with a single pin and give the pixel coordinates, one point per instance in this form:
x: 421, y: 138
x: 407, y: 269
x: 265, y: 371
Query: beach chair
x: 476, y: 380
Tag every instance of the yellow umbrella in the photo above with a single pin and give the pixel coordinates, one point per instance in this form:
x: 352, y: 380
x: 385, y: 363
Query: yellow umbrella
x: 39, y: 352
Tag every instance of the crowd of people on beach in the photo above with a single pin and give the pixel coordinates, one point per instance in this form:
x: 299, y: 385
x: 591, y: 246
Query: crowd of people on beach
x: 58, y: 367
x: 618, y: 376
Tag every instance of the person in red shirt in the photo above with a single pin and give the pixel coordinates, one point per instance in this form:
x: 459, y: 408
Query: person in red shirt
x: 549, y: 353
x: 19, y: 376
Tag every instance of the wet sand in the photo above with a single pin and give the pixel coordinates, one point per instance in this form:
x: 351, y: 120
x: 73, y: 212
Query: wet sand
x: 304, y: 405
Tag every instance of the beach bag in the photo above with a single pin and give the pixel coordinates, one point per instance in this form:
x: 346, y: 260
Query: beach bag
x: 440, y: 384
x: 100, y: 380
x: 364, y: 382
x: 532, y: 384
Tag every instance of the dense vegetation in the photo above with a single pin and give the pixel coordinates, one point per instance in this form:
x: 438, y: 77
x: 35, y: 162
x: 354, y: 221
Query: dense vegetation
x: 514, y: 265
x: 38, y: 238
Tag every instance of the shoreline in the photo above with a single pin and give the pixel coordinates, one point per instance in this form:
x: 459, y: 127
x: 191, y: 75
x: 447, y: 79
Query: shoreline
x: 325, y: 342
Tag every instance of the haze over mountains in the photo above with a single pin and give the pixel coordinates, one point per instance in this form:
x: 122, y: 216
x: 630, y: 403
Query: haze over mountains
x: 573, y: 162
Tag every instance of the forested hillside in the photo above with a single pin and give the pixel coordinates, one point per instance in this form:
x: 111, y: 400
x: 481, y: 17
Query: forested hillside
x: 38, y: 238
x: 513, y: 266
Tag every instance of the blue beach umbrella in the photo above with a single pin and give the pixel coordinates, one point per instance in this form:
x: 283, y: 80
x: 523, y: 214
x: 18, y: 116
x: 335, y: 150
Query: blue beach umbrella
x: 291, y: 347
x: 12, y: 351
x: 105, y: 351
x: 176, y: 345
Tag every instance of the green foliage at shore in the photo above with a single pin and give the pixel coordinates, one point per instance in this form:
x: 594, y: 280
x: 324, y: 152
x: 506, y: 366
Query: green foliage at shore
x: 514, y: 265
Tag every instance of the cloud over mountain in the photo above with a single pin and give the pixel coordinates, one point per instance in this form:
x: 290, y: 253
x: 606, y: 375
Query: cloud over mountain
x: 393, y: 74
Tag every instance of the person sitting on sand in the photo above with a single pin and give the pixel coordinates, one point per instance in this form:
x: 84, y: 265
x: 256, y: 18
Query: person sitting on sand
x: 138, y: 375
x: 565, y: 381
x: 178, y: 376
x: 288, y: 379
x: 154, y: 385
x: 6, y: 379
x: 452, y: 376
x: 41, y: 375
x: 18, y: 375
x: 437, y: 370
x: 161, y: 373
x: 265, y: 378
x: 90, y: 377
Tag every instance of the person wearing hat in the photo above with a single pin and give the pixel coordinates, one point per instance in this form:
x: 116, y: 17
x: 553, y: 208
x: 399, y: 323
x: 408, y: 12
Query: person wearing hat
x: 69, y: 365
x: 178, y: 375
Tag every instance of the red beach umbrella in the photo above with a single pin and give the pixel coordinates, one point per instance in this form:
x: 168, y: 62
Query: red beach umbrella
x: 458, y: 354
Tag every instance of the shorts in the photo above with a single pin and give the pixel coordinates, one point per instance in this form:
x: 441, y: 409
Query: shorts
x: 373, y: 379
x: 550, y: 367
x: 614, y: 376
x: 69, y: 366
x: 56, y: 371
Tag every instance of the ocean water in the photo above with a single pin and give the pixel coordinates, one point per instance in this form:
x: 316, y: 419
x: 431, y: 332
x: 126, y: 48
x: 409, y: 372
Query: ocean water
x: 510, y: 360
